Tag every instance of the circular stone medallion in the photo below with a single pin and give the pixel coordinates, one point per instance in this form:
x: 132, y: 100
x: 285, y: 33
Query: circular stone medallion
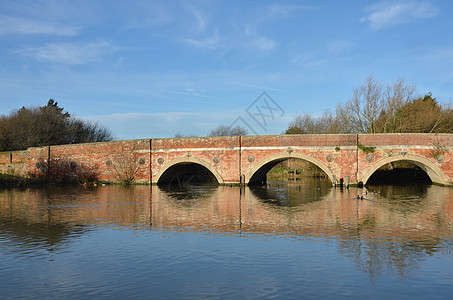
x: 369, y: 157
x: 440, y: 158
x: 329, y: 158
x: 216, y: 159
x: 251, y: 158
x: 160, y: 160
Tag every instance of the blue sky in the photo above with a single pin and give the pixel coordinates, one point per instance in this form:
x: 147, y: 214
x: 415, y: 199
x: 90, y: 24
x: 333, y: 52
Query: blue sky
x: 149, y: 69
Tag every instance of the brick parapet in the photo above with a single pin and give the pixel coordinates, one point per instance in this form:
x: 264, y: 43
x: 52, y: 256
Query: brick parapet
x: 302, y: 140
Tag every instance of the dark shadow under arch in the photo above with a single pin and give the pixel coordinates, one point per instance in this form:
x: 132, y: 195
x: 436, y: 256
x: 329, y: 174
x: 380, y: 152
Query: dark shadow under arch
x: 182, y: 166
x: 186, y: 173
x: 399, y: 173
x: 434, y: 172
x: 258, y: 174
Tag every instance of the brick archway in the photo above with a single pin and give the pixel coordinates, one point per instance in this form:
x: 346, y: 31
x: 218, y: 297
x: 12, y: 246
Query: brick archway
x: 189, y: 160
x: 283, y: 156
x: 434, y: 172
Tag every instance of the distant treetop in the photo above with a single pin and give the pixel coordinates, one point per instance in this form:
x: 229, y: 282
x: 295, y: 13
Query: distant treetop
x: 224, y: 130
x: 47, y: 125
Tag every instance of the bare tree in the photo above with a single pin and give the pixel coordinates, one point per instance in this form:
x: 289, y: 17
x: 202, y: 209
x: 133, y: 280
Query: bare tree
x: 224, y: 130
x: 395, y: 98
x: 308, y: 124
x: 361, y: 112
x: 126, y: 166
x: 375, y: 109
x: 179, y: 135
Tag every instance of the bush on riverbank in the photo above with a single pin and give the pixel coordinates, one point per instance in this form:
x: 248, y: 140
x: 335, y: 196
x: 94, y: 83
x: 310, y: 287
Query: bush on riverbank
x: 11, y: 181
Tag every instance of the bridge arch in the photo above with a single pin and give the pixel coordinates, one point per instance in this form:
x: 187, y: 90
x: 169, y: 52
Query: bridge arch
x: 186, y: 161
x: 434, y: 172
x: 264, y: 165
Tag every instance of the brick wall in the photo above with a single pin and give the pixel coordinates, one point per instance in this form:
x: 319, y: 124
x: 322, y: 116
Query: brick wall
x: 436, y: 148
x: 231, y: 157
x: 222, y: 153
x: 15, y: 162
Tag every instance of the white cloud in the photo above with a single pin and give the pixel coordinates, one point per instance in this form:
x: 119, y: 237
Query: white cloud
x: 167, y: 124
x: 329, y: 52
x: 309, y: 59
x: 283, y: 11
x: 69, y: 54
x: 11, y: 25
x: 338, y: 47
x: 146, y: 14
x: 212, y: 43
x: 389, y: 14
x: 263, y: 44
x: 201, y: 20
x: 158, y: 125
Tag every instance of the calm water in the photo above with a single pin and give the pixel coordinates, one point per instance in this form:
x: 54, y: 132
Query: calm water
x: 225, y: 242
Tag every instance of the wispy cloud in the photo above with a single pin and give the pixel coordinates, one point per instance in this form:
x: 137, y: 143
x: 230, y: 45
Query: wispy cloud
x: 69, y: 54
x: 167, y: 124
x: 146, y: 14
x: 213, y: 42
x: 338, y: 47
x: 155, y: 125
x: 194, y: 93
x: 441, y: 56
x: 308, y: 59
x: 282, y: 11
x: 263, y: 44
x: 330, y: 51
x: 14, y: 25
x: 257, y: 42
x: 389, y: 14
x: 201, y: 19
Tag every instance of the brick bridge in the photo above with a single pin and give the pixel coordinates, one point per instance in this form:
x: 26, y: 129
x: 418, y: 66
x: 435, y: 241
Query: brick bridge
x: 348, y: 158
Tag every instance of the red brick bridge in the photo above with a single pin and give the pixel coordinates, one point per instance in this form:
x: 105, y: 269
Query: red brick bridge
x: 348, y: 158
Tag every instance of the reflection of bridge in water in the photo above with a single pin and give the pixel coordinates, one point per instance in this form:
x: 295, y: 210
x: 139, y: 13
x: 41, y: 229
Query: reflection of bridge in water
x: 391, y: 227
x: 324, y: 211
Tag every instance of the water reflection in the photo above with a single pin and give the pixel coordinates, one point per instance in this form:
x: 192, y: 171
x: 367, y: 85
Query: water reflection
x: 393, y: 229
x: 49, y: 218
x: 293, y: 193
x: 188, y: 194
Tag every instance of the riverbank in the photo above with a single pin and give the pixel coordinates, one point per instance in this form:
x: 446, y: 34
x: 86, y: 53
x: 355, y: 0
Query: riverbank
x: 11, y: 181
x: 14, y: 181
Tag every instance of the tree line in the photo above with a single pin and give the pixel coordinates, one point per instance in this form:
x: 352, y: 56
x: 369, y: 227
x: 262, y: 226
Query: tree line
x: 47, y: 125
x: 376, y: 107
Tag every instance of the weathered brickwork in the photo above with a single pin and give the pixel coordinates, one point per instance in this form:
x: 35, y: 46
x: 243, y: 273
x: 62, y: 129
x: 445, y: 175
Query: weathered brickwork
x: 241, y: 159
x: 14, y: 162
x: 220, y: 155
x: 431, y: 152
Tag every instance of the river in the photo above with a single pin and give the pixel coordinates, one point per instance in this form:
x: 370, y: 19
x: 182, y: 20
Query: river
x: 298, y: 240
